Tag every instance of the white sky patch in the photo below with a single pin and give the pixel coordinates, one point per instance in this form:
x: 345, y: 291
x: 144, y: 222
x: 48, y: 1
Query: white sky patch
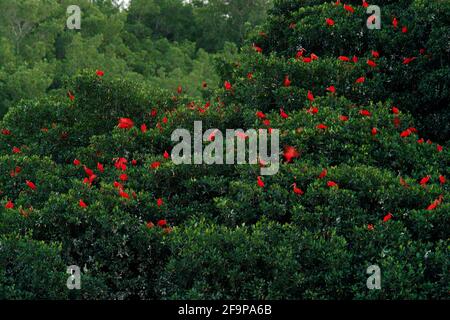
x: 126, y: 3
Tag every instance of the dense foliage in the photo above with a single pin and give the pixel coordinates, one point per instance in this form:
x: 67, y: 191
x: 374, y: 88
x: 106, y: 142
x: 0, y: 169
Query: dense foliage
x: 412, y: 62
x: 86, y: 179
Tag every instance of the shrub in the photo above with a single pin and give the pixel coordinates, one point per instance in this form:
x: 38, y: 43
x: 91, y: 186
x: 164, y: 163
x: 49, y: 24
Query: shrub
x: 31, y: 269
x: 265, y: 261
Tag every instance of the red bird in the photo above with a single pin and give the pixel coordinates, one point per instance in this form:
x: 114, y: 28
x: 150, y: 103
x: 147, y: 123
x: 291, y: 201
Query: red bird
x: 332, y: 184
x: 365, y: 113
x: 92, y: 178
x: 296, y: 189
x: 374, y: 131
x: 82, y: 204
x: 241, y: 135
x: 323, y: 174
x: 425, y: 180
x: 162, y: 223
x: 360, y: 80
x: 70, y: 95
x: 212, y: 136
x: 313, y: 110
x: 306, y: 59
x: 299, y: 53
x: 409, y: 60
x: 9, y: 205
x: 155, y: 164
x: 123, y: 194
x: 125, y: 123
x: 349, y: 8
x: 257, y: 49
x: 120, y: 163
x: 387, y: 217
x: 227, y: 85
x: 329, y: 21
x: 15, y: 172
x: 290, y: 153
x: 260, y: 115
x: 260, y: 182
x: 405, y: 133
x: 433, y: 206
x: 395, y: 22
x: 88, y: 171
x: 287, y: 82
x: 435, y: 203
x: 118, y: 185
x: 283, y: 114
x: 371, y: 63
x: 30, y: 184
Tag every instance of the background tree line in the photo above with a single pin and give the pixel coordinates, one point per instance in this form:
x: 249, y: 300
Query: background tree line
x: 168, y: 43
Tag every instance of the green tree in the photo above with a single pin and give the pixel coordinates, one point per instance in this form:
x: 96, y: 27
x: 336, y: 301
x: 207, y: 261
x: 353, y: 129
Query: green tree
x: 20, y: 18
x: 171, y: 19
x: 220, y: 21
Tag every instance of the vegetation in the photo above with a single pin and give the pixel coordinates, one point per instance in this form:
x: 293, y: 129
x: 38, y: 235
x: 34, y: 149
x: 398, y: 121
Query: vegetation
x: 86, y: 177
x: 167, y: 43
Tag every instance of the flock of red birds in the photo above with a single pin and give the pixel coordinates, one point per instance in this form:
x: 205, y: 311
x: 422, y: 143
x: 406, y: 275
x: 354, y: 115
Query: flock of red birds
x: 289, y: 152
